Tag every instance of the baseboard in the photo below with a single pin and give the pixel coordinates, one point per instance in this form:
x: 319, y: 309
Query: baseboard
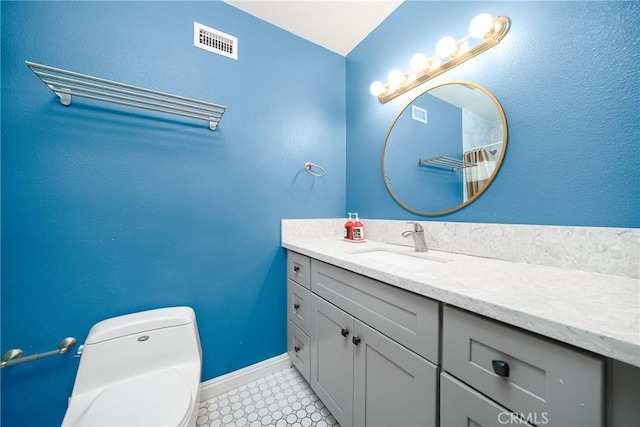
x: 235, y: 379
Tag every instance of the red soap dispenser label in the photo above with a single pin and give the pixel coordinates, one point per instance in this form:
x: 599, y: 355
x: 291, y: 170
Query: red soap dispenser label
x: 357, y: 231
x: 348, y: 229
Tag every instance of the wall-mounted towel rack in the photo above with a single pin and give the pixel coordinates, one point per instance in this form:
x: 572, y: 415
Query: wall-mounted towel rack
x: 66, y: 84
x: 447, y: 162
x: 14, y: 356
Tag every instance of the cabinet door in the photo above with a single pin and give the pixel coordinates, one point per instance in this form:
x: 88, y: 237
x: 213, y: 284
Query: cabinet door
x: 393, y: 386
x: 332, y: 359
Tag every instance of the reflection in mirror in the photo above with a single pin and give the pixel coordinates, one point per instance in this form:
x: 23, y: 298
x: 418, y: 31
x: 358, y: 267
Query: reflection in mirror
x: 444, y: 148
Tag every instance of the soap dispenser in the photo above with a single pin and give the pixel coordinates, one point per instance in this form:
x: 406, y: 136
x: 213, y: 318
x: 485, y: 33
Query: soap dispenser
x: 348, y: 229
x: 357, y: 230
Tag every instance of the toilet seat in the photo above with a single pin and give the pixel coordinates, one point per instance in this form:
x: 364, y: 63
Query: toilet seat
x: 159, y: 399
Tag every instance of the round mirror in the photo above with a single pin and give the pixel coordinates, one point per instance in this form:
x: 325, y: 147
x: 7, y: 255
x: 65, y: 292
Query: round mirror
x: 444, y: 148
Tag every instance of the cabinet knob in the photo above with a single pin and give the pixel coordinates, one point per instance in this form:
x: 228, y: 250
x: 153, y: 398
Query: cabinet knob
x: 296, y: 268
x: 500, y: 367
x: 344, y: 332
x: 356, y: 340
x: 296, y: 306
x: 296, y: 349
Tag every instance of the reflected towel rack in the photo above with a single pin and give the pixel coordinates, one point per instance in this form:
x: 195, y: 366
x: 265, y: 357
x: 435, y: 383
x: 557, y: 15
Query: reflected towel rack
x: 66, y: 84
x: 447, y: 162
x: 14, y: 356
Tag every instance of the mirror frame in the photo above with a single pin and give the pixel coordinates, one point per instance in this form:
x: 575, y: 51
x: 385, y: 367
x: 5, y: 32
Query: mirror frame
x: 498, y: 162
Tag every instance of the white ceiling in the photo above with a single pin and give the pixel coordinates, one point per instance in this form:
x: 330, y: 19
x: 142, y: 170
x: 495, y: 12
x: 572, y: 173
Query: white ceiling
x: 338, y: 25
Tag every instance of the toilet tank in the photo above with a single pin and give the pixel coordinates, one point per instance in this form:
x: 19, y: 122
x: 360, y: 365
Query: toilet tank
x: 138, y: 344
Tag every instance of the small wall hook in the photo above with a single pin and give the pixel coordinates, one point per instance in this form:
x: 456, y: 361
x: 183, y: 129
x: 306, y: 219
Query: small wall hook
x: 309, y: 166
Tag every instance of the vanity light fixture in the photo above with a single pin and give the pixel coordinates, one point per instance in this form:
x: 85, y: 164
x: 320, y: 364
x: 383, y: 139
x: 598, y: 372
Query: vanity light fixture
x: 449, y: 53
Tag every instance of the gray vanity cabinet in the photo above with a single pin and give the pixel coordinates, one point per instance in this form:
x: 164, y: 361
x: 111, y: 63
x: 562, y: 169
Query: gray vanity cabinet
x: 371, y: 352
x: 544, y: 382
x: 363, y: 376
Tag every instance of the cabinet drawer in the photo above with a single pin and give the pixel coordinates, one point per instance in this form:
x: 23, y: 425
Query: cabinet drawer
x: 463, y: 406
x: 544, y: 376
x: 298, y: 303
x: 407, y: 318
x: 298, y: 348
x: 298, y: 268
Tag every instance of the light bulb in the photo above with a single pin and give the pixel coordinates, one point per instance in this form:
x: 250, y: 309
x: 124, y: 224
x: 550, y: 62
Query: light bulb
x: 376, y: 88
x: 395, y: 77
x: 418, y: 62
x: 446, y: 47
x: 481, y: 26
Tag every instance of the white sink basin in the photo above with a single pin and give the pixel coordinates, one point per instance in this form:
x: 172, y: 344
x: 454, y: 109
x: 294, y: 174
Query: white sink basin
x: 409, y: 260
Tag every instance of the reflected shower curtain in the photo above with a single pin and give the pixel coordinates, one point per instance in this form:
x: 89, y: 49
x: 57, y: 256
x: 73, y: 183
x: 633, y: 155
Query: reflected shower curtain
x: 476, y: 177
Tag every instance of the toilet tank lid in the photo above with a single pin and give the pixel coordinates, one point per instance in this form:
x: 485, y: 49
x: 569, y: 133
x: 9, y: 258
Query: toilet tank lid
x: 143, y: 321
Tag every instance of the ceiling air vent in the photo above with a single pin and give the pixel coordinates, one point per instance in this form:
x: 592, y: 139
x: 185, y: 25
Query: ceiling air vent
x: 215, y: 41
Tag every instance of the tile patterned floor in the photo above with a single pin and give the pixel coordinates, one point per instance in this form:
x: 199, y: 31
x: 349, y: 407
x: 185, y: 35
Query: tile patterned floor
x: 283, y: 399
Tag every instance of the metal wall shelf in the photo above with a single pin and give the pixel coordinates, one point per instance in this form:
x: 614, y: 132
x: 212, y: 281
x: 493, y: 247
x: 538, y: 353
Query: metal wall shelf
x: 66, y: 84
x: 447, y: 162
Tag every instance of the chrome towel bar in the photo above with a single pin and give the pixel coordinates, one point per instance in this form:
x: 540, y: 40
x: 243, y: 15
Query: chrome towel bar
x: 14, y: 356
x: 68, y: 83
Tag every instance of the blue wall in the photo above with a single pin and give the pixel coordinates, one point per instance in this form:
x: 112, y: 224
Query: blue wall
x: 568, y: 78
x: 108, y: 210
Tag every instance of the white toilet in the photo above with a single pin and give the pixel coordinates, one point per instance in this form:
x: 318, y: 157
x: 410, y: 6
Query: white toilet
x: 141, y: 369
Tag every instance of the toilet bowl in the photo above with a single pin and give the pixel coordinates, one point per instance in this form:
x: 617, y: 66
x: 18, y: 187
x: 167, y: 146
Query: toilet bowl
x: 141, y: 369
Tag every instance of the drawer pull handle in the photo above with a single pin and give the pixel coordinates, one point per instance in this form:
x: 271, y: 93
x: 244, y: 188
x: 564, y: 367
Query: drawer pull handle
x: 344, y: 332
x: 296, y: 306
x: 500, y: 367
x: 296, y: 268
x: 356, y: 340
x: 296, y: 349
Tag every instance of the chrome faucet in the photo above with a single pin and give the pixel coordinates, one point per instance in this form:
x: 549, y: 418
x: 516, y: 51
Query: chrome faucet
x: 418, y: 237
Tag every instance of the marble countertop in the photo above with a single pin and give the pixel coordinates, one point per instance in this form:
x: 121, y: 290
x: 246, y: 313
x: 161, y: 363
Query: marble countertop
x: 595, y: 312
